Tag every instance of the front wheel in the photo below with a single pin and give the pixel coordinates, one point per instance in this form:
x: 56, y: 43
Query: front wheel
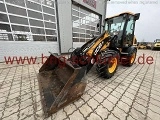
x: 132, y: 58
x: 108, y: 64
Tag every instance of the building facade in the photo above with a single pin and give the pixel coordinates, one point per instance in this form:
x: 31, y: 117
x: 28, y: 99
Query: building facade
x: 35, y: 27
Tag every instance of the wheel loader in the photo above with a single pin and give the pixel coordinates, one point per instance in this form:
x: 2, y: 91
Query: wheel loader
x: 156, y: 45
x: 62, y: 81
x: 142, y: 45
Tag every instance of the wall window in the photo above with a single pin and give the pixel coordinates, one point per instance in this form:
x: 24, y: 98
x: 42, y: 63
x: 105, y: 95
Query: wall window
x: 16, y: 2
x: 74, y: 12
x: 33, y: 5
x: 85, y: 11
x: 3, y: 17
x: 34, y: 14
x: 51, y: 32
x: 20, y: 37
x: 82, y: 40
x: 75, y: 39
x: 75, y: 34
x: 2, y: 7
x: 49, y: 18
x: 37, y: 31
x: 75, y: 30
x: 48, y: 10
x: 75, y: 7
x: 38, y: 38
x: 48, y: 3
x: 20, y: 28
x: 75, y: 19
x: 36, y: 23
x: 50, y: 25
x: 4, y: 28
x: 16, y: 10
x: 51, y: 38
x: 84, y: 24
x: 6, y: 37
x: 19, y: 20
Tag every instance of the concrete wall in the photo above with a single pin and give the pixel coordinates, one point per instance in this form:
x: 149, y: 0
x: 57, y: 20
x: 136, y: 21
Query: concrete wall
x: 27, y: 48
x: 65, y: 24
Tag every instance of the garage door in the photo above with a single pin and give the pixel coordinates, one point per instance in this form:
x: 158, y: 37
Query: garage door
x: 84, y: 25
x: 28, y: 28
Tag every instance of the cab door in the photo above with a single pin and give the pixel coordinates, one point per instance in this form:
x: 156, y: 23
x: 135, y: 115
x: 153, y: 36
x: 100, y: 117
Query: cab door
x: 129, y: 33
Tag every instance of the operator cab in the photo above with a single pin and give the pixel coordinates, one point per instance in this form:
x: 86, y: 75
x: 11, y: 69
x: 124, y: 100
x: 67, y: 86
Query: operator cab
x: 157, y: 41
x: 123, y: 26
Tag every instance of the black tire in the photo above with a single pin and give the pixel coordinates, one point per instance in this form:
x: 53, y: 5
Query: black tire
x: 131, y: 59
x: 104, y: 64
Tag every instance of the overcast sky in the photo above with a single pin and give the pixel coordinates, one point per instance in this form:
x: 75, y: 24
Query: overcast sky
x: 148, y: 26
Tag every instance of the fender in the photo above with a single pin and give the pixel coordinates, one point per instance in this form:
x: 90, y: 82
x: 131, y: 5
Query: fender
x: 129, y: 50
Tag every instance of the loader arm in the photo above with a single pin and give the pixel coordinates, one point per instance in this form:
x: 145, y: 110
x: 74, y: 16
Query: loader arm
x: 88, y: 53
x: 92, y: 48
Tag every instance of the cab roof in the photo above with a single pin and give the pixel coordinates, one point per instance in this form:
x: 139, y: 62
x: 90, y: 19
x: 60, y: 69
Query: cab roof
x: 130, y: 13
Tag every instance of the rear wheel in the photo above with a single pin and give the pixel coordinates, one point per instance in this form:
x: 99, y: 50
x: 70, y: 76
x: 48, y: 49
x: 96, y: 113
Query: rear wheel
x: 108, y: 64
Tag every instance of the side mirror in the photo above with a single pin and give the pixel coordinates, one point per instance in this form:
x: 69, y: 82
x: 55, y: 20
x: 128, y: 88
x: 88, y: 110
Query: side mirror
x: 137, y: 15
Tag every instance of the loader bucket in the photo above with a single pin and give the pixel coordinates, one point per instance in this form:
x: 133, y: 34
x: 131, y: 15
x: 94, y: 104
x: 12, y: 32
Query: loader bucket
x: 60, y: 83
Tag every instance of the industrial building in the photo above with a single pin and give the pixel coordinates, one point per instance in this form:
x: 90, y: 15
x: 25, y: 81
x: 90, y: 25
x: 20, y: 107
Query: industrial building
x: 35, y: 27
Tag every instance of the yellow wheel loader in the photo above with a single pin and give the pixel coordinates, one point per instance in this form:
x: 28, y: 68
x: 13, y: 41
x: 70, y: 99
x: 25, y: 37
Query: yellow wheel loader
x: 156, y: 45
x: 142, y: 45
x: 62, y: 81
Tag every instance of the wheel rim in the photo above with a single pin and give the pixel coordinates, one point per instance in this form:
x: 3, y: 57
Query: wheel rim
x: 112, y: 65
x: 133, y: 57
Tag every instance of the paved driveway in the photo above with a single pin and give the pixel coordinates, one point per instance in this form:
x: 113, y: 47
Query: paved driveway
x: 133, y: 93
